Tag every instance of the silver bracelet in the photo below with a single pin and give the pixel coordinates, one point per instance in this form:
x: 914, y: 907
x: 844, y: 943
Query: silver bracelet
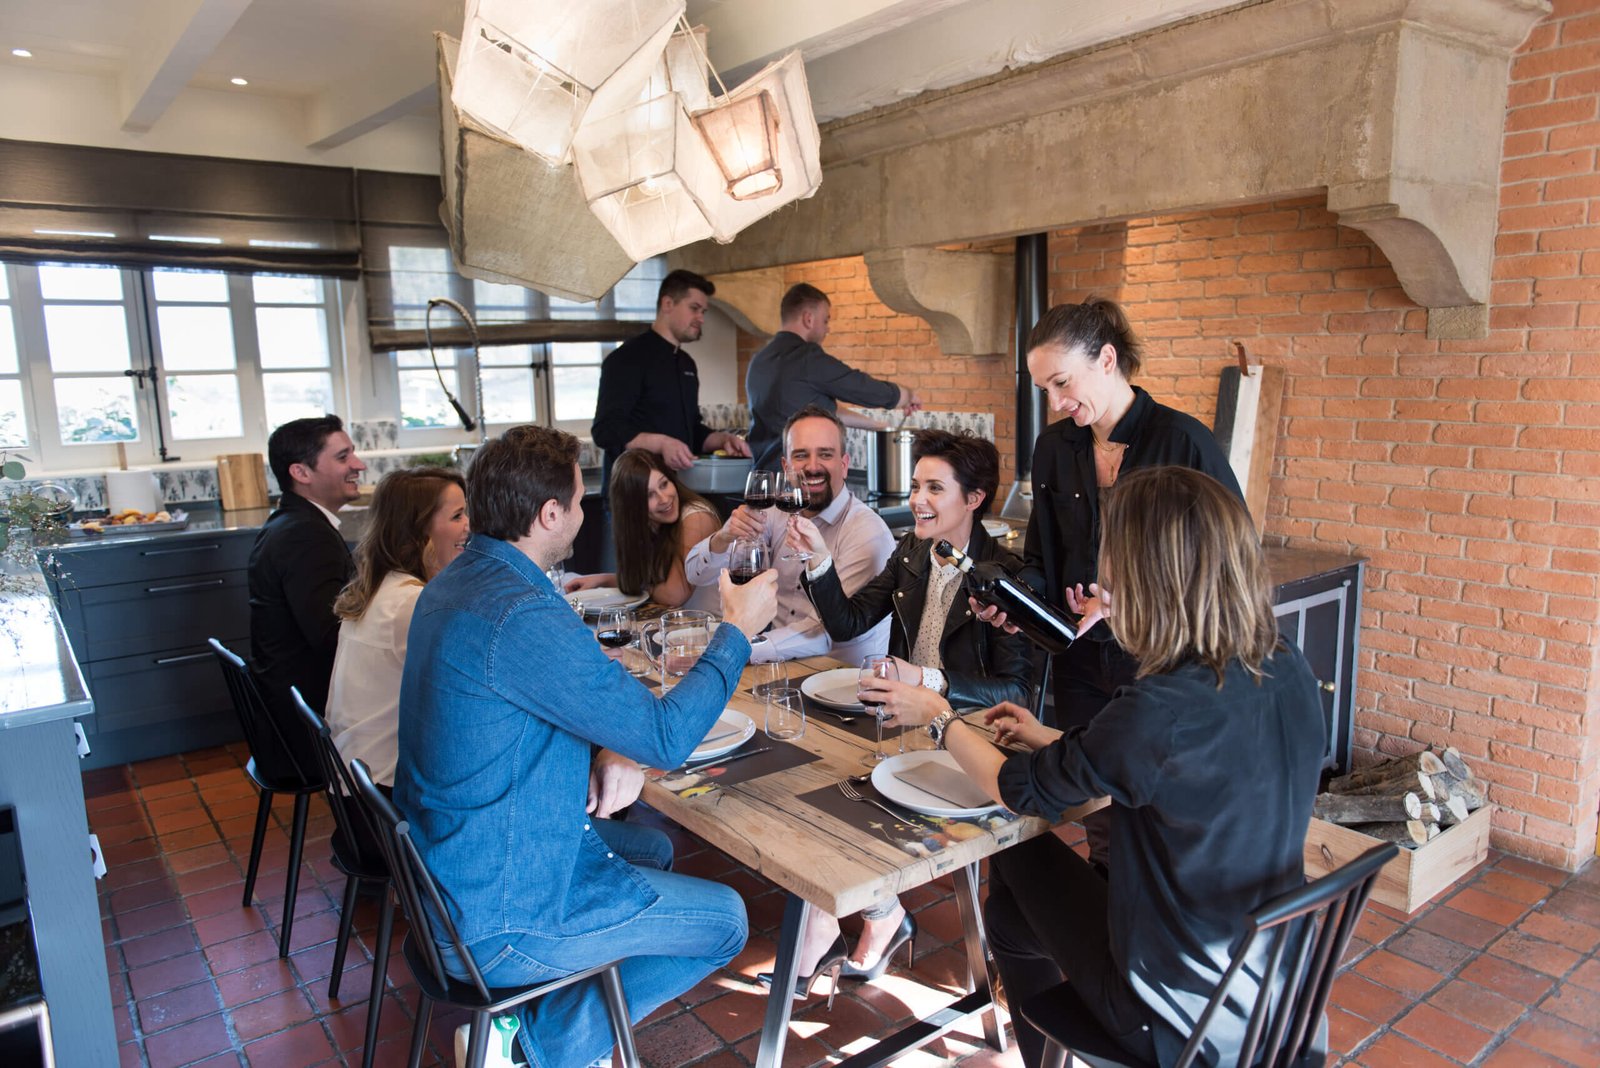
x: 938, y: 725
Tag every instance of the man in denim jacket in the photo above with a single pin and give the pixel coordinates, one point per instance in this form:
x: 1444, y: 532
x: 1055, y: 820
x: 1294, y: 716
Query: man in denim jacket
x: 518, y: 737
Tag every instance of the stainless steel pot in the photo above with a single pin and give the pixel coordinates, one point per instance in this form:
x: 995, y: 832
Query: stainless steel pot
x: 893, y: 449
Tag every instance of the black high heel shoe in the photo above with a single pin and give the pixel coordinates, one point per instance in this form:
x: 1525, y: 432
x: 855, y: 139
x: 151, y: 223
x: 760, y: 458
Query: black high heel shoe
x: 831, y: 963
x: 906, y: 935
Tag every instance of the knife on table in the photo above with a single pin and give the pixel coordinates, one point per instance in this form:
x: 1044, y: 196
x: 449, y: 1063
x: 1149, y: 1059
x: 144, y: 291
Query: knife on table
x: 718, y: 761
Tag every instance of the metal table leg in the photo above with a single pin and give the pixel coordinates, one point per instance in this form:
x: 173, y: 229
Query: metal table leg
x: 978, y: 980
x: 780, y: 1000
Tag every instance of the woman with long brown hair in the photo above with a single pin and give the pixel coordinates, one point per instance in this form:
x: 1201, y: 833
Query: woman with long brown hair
x: 417, y: 525
x: 655, y: 521
x: 1210, y: 757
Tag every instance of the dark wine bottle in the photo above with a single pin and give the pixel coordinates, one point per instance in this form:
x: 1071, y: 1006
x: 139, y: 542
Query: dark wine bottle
x: 992, y: 584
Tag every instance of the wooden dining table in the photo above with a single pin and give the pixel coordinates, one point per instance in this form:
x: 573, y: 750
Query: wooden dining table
x: 840, y: 867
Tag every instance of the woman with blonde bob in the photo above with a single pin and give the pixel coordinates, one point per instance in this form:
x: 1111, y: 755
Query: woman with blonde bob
x: 1210, y: 758
x: 418, y: 524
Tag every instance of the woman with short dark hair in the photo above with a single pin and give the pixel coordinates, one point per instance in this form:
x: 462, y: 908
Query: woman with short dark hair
x: 1210, y: 757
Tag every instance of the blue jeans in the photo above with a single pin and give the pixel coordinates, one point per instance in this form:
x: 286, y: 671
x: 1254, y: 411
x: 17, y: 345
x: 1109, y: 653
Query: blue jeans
x: 694, y: 928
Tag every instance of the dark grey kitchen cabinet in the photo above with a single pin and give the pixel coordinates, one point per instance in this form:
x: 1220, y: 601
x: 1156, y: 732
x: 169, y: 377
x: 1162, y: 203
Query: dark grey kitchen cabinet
x: 138, y: 612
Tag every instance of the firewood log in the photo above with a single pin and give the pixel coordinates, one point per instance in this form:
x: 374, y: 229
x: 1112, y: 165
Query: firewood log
x: 1452, y: 811
x: 1367, y: 808
x: 1404, y: 780
x: 1410, y: 834
x: 1469, y: 790
x: 1422, y: 761
x: 1450, y: 757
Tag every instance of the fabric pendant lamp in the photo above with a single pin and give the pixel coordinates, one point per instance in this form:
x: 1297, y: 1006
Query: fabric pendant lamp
x: 772, y: 108
x: 648, y: 176
x: 532, y: 70
x: 513, y: 218
x: 683, y: 69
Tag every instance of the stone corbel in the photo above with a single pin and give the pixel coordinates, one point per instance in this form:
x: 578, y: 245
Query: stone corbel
x: 964, y: 296
x: 751, y: 298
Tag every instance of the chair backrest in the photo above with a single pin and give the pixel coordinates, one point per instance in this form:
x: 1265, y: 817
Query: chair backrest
x: 419, y: 894
x: 356, y: 835
x: 1309, y: 928
x: 272, y: 744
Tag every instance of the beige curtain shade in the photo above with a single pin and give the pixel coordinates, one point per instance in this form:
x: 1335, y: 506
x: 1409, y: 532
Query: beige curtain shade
x: 512, y: 217
x: 532, y: 70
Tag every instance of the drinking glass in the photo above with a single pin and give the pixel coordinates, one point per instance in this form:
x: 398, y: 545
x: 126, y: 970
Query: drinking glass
x: 747, y: 559
x: 786, y: 714
x: 874, y: 667
x: 790, y: 497
x: 769, y: 677
x: 616, y: 631
x: 684, y: 635
x: 758, y: 490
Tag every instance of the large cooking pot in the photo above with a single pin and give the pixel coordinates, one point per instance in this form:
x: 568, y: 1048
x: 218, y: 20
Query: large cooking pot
x: 894, y: 461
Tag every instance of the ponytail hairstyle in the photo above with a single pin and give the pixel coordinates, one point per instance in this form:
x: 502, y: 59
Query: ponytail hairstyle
x: 397, y: 535
x: 1091, y: 326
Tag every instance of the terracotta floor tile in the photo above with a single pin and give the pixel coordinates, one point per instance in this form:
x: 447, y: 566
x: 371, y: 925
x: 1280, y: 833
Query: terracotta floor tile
x: 1503, y: 883
x: 679, y: 1039
x: 144, y: 894
x: 167, y: 975
x: 1559, y: 1038
x: 137, y: 952
x: 257, y: 948
x: 1367, y: 999
x: 1574, y: 1004
x: 1459, y: 926
x: 1397, y: 972
x: 151, y: 919
x: 1346, y: 1031
x: 203, y: 857
x: 256, y: 981
x: 1444, y: 1033
x: 1396, y: 1051
x: 229, y: 924
x: 188, y: 1044
x: 1513, y: 1054
x: 173, y: 804
x: 1530, y: 869
x: 1574, y: 905
x: 125, y: 876
x: 1491, y: 907
x: 178, y: 1007
x: 305, y: 1046
x: 1587, y: 974
x: 1535, y: 953
x: 1469, y: 1001
x: 1440, y: 954
x: 1577, y: 936
x: 1510, y: 980
x: 269, y: 1015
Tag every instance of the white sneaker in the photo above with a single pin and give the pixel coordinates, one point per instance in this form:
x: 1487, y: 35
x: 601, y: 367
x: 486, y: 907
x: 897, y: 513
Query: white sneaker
x: 502, y: 1043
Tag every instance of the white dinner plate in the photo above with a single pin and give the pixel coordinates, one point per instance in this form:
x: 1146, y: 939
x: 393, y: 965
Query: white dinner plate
x: 885, y: 778
x: 996, y: 528
x: 731, y: 730
x: 606, y: 597
x: 835, y: 689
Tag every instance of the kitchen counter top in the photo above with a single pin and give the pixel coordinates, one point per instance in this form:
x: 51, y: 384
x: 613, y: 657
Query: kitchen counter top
x: 39, y: 677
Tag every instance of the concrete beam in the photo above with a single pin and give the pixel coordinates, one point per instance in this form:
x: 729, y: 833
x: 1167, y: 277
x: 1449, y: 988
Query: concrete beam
x: 343, y: 112
x: 750, y: 298
x: 965, y: 297
x: 176, y: 38
x: 1392, y: 106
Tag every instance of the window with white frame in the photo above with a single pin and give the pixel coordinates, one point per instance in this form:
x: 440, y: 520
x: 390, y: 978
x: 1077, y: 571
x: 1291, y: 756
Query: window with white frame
x: 161, y: 360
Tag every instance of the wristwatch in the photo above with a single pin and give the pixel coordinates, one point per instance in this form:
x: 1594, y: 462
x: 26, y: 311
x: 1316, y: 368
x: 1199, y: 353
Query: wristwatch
x: 939, y: 724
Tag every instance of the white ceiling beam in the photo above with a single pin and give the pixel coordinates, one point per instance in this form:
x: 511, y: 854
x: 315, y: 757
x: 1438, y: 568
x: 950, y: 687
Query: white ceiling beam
x: 346, y: 110
x: 176, y: 37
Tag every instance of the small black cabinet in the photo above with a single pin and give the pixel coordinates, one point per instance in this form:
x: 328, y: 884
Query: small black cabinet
x: 1317, y: 599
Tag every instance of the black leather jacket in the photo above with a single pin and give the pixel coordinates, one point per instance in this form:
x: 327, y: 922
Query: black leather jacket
x: 982, y: 665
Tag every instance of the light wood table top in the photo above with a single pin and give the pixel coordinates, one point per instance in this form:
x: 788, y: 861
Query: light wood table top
x: 830, y: 864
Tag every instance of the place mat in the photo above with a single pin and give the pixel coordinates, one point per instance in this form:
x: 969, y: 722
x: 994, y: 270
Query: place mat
x: 782, y: 757
x: 917, y: 834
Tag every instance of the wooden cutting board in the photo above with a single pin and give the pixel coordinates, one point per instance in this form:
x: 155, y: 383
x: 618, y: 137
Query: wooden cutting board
x: 242, y: 480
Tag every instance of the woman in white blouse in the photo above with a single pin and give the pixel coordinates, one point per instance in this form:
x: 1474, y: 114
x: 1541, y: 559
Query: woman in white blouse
x: 418, y: 525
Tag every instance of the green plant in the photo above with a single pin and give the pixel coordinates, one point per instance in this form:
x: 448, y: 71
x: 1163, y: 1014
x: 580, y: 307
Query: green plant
x: 25, y: 509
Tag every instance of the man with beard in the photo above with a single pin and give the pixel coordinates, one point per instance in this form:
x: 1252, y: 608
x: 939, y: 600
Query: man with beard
x: 650, y: 388
x: 508, y: 775
x: 857, y: 538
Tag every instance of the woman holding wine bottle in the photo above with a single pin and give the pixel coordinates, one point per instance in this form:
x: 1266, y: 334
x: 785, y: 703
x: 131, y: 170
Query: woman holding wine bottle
x: 654, y: 522
x: 418, y: 525
x: 939, y: 653
x: 1197, y: 843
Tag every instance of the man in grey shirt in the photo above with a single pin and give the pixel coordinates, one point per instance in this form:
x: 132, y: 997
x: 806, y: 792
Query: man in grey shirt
x: 793, y: 371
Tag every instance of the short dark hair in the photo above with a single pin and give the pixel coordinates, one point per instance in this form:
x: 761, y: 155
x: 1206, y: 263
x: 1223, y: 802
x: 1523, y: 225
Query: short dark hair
x: 678, y: 283
x: 975, y: 461
x: 512, y: 476
x: 799, y: 296
x: 298, y: 442
x: 811, y: 411
x: 1092, y: 325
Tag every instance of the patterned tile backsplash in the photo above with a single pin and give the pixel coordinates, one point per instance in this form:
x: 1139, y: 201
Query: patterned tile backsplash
x: 375, y: 439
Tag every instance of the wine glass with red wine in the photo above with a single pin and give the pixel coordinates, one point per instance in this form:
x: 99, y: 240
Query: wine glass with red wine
x: 790, y: 497
x: 616, y: 629
x: 874, y: 667
x: 758, y: 490
x: 747, y: 559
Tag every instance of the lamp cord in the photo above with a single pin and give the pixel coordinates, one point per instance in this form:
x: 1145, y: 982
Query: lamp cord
x: 694, y: 41
x: 467, y: 422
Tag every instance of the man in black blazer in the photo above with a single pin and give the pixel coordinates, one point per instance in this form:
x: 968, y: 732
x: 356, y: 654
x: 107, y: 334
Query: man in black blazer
x: 300, y: 562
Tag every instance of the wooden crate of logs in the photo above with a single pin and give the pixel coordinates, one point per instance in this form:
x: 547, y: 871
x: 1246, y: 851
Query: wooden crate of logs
x: 1427, y: 802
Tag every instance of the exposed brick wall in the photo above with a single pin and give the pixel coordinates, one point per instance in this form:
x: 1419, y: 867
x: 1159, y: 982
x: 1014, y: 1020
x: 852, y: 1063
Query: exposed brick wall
x: 867, y: 334
x: 1467, y: 472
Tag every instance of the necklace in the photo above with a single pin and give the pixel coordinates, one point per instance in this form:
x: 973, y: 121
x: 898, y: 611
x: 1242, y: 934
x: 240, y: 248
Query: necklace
x: 1106, y: 446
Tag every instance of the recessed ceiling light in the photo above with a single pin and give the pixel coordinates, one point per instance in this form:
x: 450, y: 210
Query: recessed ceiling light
x: 239, y: 81
x: 22, y: 53
x: 187, y: 240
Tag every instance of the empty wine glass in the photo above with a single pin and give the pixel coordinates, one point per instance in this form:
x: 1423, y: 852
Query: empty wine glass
x: 786, y: 714
x: 790, y: 497
x: 758, y: 489
x: 747, y: 559
x: 874, y: 667
x: 769, y: 677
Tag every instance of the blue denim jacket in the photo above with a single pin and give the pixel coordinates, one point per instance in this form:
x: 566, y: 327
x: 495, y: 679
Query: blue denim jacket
x: 504, y: 690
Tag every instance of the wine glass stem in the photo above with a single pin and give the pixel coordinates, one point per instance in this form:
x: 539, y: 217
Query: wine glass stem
x: 879, y: 753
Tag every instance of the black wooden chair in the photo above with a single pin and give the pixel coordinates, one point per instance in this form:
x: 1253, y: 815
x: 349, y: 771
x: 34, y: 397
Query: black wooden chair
x: 358, y: 853
x: 1308, y: 926
x: 282, y: 761
x: 416, y: 886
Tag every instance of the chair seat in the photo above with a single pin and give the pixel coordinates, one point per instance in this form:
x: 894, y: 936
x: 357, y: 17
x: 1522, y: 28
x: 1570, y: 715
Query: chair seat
x: 1059, y: 1014
x: 280, y: 784
x: 464, y: 995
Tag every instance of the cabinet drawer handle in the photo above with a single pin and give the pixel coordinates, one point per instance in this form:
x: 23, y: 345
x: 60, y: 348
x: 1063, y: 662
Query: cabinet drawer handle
x: 184, y: 549
x: 183, y: 586
x: 181, y: 659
